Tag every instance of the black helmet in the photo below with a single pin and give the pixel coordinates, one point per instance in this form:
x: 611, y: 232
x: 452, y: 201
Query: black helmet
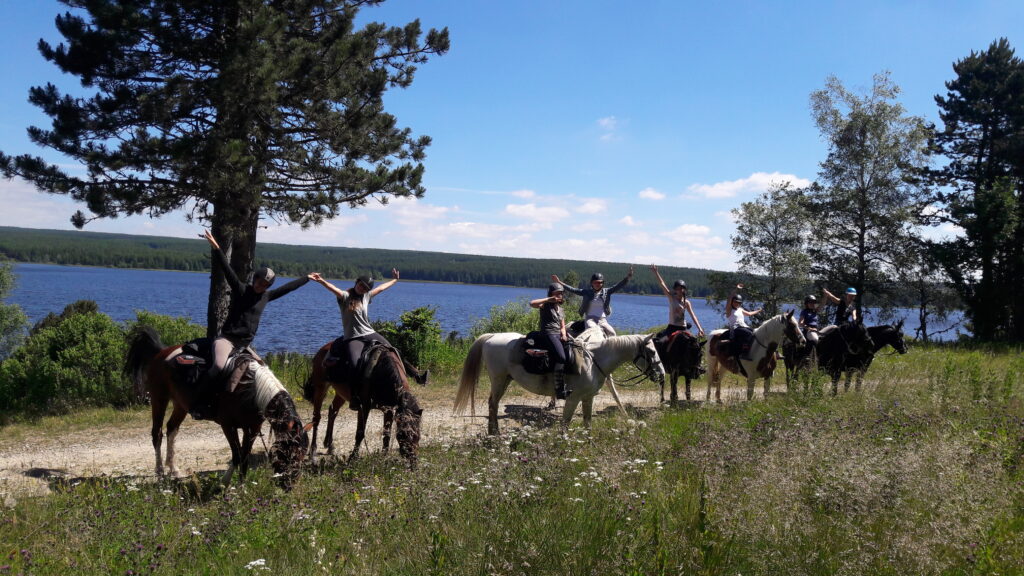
x: 265, y: 274
x: 597, y: 277
x: 365, y: 281
x: 810, y: 298
x: 678, y: 284
x: 738, y: 298
x: 555, y: 287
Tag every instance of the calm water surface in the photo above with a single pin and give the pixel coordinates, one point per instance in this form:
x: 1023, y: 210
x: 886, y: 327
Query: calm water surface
x: 308, y: 317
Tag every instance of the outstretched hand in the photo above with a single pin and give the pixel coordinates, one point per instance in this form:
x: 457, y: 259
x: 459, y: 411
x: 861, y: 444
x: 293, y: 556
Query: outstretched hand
x: 630, y: 273
x: 554, y: 278
x: 394, y: 273
x: 209, y: 238
x: 315, y: 277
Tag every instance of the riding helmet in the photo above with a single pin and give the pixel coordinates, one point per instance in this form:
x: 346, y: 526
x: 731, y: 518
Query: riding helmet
x: 555, y: 287
x: 738, y: 298
x: 597, y: 277
x: 265, y: 274
x: 851, y: 290
x: 365, y: 281
x: 679, y: 284
x: 810, y: 298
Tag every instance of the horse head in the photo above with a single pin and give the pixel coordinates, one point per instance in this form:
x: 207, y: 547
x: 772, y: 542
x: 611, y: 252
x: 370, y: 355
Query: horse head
x: 791, y: 329
x: 409, y: 417
x: 648, y: 361
x: 291, y: 442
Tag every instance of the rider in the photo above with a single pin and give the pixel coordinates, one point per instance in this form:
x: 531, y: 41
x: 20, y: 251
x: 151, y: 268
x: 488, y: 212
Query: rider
x: 596, y: 306
x: 354, y: 304
x: 846, y: 311
x: 239, y: 329
x: 678, y: 306
x: 552, y: 324
x: 809, y: 319
x: 737, y: 321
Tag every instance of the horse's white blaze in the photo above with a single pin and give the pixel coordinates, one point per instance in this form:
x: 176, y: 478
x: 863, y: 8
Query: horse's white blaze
x: 267, y: 386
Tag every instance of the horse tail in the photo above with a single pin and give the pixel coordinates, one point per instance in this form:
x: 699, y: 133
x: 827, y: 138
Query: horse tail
x: 143, y: 345
x: 470, y: 376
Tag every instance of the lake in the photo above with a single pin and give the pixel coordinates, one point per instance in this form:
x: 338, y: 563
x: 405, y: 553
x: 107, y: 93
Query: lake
x: 309, y: 317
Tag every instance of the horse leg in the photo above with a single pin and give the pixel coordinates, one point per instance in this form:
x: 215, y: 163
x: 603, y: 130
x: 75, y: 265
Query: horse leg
x: 248, y: 438
x: 332, y: 413
x: 318, y: 402
x: 173, y: 426
x: 846, y: 383
x: 158, y: 408
x: 588, y: 410
x: 389, y: 418
x: 568, y: 409
x: 236, y: 449
x: 674, y: 396
x: 364, y: 412
x: 687, y: 388
x: 767, y: 386
x: 860, y: 380
x: 499, y: 383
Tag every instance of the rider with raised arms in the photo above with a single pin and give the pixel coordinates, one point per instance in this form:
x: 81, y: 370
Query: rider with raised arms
x: 247, y: 304
x: 846, y: 311
x: 596, y: 306
x: 737, y: 321
x: 678, y: 306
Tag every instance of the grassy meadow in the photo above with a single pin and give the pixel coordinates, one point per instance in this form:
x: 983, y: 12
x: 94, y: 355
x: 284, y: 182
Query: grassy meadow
x: 918, y: 473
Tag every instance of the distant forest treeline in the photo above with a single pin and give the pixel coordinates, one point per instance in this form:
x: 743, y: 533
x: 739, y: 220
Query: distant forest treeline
x: 153, y: 252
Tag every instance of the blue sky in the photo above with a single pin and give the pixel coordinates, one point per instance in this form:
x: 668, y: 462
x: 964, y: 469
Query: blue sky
x: 596, y: 130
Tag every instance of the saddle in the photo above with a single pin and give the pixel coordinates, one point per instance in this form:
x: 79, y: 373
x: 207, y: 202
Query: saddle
x: 534, y: 353
x: 191, y: 368
x: 358, y: 377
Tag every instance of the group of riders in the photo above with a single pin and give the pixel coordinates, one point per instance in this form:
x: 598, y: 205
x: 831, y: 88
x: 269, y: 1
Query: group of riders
x: 249, y: 301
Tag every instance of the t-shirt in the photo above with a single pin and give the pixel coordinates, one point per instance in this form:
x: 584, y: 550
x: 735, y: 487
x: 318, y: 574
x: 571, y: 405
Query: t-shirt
x: 596, y: 309
x: 355, y: 319
x: 809, y: 317
x: 844, y: 312
x: 736, y: 319
x: 676, y: 311
x: 551, y: 318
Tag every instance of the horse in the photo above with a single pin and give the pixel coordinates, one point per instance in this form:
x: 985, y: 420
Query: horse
x: 767, y: 338
x: 680, y: 353
x: 835, y: 343
x: 858, y: 360
x: 387, y: 390
x: 499, y: 351
x: 148, y: 365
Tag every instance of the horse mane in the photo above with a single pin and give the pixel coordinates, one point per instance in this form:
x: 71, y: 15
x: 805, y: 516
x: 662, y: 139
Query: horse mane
x: 265, y: 386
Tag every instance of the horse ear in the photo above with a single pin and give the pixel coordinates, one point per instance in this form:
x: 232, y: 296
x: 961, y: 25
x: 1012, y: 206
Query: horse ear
x: 899, y: 325
x: 649, y: 338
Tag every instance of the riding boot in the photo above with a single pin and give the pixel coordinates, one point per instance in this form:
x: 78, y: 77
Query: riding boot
x: 561, y: 392
x: 206, y: 394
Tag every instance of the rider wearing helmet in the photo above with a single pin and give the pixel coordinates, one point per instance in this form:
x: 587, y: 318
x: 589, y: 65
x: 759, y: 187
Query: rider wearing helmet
x: 596, y: 306
x: 809, y: 319
x: 552, y: 324
x: 846, y: 311
x: 737, y: 322
x: 239, y: 329
x: 678, y: 306
x: 357, y: 330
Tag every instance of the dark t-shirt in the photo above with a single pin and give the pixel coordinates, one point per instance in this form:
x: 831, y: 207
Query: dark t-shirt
x: 551, y: 317
x: 843, y: 312
x: 809, y: 318
x: 246, y: 305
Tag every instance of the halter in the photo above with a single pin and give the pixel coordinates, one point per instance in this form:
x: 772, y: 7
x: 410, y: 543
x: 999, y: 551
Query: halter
x: 640, y: 353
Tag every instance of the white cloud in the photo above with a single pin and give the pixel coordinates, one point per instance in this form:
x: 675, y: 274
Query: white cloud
x: 609, y: 128
x: 628, y: 221
x: 536, y: 213
x: 593, y: 206
x: 651, y: 194
x: 755, y: 183
x: 691, y: 230
x: 523, y: 193
x: 588, y: 226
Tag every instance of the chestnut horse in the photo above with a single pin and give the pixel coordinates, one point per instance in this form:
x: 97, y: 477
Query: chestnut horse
x: 386, y: 389
x: 149, y: 366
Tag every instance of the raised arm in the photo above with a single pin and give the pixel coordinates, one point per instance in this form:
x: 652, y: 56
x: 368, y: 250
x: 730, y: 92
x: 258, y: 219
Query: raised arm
x: 315, y: 277
x: 830, y: 297
x: 689, y: 308
x: 622, y: 282
x: 574, y: 290
x: 664, y: 288
x: 386, y: 285
x: 297, y: 283
x: 222, y: 261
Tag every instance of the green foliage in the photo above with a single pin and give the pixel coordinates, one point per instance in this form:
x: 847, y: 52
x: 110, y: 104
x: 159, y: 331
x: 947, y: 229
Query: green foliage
x: 12, y: 319
x: 417, y: 333
x: 74, y: 362
x: 508, y: 317
x: 76, y: 307
x: 172, y: 330
x: 981, y: 188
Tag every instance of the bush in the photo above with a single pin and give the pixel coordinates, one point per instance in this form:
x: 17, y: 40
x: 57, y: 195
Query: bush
x: 509, y: 317
x: 418, y: 333
x: 171, y: 330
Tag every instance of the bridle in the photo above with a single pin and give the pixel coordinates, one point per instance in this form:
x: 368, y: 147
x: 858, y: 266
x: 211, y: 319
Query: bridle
x: 641, y: 354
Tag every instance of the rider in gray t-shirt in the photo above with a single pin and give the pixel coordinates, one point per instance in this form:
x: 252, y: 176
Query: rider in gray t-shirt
x: 354, y: 304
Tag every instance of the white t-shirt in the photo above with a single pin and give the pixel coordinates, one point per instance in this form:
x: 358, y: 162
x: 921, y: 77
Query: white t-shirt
x: 596, y: 308
x: 736, y: 318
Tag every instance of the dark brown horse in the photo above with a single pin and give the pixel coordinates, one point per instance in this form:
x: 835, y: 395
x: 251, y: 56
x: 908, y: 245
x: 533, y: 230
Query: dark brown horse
x: 260, y: 396
x: 385, y: 388
x: 680, y: 354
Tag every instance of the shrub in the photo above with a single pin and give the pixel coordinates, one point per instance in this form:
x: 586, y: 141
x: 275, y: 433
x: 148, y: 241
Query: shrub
x: 509, y: 317
x: 418, y: 333
x: 171, y: 330
x: 12, y: 319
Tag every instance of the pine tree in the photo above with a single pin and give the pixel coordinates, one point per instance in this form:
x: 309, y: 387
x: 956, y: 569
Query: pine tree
x: 231, y: 110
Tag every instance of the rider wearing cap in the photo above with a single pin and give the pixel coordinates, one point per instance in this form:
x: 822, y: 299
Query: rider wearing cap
x: 596, y: 306
x: 247, y: 304
x: 354, y: 304
x: 678, y: 306
x: 846, y: 311
x: 737, y: 322
x: 809, y: 319
x: 552, y: 324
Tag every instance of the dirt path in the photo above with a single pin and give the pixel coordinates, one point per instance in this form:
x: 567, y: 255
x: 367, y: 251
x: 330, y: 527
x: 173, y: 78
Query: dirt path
x: 27, y: 467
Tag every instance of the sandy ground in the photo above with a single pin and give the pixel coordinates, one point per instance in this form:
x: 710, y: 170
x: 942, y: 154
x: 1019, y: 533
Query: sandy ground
x: 29, y: 467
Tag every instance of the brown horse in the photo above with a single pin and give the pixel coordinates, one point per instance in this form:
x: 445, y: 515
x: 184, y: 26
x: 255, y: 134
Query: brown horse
x: 386, y: 388
x: 255, y: 399
x: 680, y: 353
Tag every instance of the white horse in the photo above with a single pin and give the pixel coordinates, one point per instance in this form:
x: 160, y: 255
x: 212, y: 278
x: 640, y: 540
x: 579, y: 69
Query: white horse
x: 499, y: 352
x: 767, y: 338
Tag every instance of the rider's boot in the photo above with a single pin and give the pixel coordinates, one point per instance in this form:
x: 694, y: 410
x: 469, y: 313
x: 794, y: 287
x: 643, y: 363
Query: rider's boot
x: 560, y: 389
x: 206, y: 394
